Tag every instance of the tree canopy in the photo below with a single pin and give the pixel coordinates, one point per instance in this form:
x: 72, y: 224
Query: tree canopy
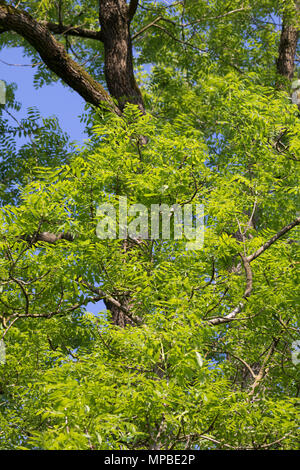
x: 187, y: 102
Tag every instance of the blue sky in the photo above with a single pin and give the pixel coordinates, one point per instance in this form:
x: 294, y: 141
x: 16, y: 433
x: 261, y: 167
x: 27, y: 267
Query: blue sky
x: 50, y: 100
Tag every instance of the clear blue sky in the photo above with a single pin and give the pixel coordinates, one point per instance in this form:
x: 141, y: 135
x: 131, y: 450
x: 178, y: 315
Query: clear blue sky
x: 50, y: 100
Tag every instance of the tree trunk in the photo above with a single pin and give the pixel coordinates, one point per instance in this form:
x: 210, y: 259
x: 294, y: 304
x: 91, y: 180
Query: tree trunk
x: 114, y: 16
x: 118, y: 316
x: 287, y: 51
x: 287, y: 48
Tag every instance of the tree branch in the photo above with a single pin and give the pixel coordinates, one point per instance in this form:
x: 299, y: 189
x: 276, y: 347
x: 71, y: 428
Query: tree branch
x: 272, y: 240
x: 228, y: 318
x: 262, y: 372
x: 47, y: 237
x: 238, y: 10
x: 159, y: 18
x: 54, y: 55
x: 185, y: 43
x: 266, y: 446
x: 249, y: 278
x: 111, y: 300
x: 18, y: 316
x: 239, y: 359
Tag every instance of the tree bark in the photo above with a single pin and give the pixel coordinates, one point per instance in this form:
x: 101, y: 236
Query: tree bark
x: 287, y: 48
x: 287, y: 51
x: 54, y: 55
x: 118, y: 316
x: 115, y: 17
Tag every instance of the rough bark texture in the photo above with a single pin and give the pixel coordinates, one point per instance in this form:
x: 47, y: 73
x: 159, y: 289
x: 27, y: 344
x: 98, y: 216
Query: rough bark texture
x: 287, y: 51
x: 115, y: 16
x: 118, y: 316
x: 287, y: 47
x: 53, y: 54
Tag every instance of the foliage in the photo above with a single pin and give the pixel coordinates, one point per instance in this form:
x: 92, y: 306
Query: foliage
x: 218, y: 133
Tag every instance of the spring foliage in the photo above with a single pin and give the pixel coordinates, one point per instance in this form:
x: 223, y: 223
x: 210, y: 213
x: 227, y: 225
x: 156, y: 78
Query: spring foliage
x: 220, y: 133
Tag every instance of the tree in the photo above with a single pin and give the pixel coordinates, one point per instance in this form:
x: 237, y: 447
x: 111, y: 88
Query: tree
x: 194, y: 350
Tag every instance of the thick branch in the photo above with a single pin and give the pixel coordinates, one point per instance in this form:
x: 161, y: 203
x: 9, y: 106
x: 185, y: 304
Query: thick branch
x: 118, y: 59
x: 53, y: 54
x: 47, y: 237
x: 287, y: 50
x: 228, y: 318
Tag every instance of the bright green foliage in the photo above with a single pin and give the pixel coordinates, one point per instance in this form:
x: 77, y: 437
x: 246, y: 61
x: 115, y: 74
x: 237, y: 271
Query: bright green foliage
x: 218, y: 133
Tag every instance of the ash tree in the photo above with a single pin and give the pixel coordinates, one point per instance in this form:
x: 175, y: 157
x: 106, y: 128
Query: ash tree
x: 187, y: 102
